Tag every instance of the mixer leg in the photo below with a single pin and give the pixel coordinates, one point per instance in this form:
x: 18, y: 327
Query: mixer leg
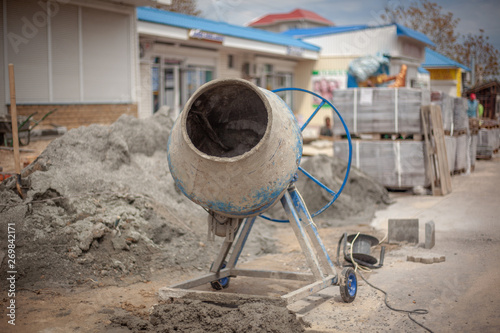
x: 240, y: 242
x: 220, y: 261
x: 237, y: 248
x: 307, y: 234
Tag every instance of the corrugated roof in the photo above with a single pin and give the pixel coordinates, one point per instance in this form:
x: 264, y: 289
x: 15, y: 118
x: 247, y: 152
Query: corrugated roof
x: 422, y: 70
x: 404, y: 31
x: 154, y: 15
x: 314, y: 32
x: 297, y: 14
x: 434, y: 59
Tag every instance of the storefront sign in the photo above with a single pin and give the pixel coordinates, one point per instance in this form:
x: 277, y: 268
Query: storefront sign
x: 324, y: 82
x: 203, y: 35
x: 294, y: 51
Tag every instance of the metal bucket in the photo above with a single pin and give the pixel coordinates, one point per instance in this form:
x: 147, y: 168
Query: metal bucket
x: 235, y: 148
x: 361, y: 249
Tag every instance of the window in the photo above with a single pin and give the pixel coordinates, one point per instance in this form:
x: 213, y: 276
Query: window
x: 230, y: 61
x: 77, y: 54
x: 173, y: 82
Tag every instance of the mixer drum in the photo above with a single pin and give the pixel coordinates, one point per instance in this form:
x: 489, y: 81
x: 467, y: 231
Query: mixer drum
x: 235, y: 148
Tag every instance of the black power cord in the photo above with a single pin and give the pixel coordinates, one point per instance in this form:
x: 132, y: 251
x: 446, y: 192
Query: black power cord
x: 409, y: 312
x: 360, y: 263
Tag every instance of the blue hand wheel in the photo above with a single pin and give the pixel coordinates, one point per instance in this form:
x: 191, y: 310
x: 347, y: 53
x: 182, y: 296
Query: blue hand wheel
x: 222, y: 283
x: 334, y: 194
x: 348, y: 284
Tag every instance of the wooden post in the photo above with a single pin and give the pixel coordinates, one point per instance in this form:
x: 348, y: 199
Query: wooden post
x: 13, y: 114
x: 15, y: 134
x: 437, y: 160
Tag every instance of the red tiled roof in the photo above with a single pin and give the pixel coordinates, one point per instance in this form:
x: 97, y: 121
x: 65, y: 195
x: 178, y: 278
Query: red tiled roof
x: 296, y: 14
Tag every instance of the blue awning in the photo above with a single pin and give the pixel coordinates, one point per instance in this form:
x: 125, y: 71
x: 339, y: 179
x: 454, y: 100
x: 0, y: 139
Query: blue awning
x: 434, y: 59
x: 404, y: 31
x: 159, y: 16
x: 422, y: 70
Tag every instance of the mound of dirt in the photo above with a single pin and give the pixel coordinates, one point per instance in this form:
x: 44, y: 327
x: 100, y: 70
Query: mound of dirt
x: 198, y: 317
x: 100, y: 205
x: 357, y: 203
x: 360, y: 198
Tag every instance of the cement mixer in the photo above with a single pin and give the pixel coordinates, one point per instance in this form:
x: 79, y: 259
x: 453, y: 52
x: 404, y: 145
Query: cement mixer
x: 235, y: 150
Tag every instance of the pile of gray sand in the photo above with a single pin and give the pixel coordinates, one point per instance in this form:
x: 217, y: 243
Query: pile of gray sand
x: 196, y: 316
x: 360, y: 198
x: 101, y: 206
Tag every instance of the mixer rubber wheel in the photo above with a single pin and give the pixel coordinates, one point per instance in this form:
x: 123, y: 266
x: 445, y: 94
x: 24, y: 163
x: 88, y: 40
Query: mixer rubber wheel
x: 221, y: 283
x: 348, y: 285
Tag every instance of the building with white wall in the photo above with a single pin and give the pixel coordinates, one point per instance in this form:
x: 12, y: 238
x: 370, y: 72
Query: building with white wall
x: 95, y: 60
x: 340, y: 45
x: 180, y: 52
x: 79, y: 57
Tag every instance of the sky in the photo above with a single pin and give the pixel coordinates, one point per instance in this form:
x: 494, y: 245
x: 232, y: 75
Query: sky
x: 473, y: 14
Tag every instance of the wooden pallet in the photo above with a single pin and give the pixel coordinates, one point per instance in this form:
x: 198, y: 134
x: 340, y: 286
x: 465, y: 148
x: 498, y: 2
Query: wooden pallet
x: 459, y: 171
x: 484, y: 157
x: 436, y: 159
x: 384, y: 136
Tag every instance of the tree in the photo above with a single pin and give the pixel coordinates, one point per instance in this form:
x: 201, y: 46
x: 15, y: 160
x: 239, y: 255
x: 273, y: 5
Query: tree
x: 187, y: 7
x: 426, y: 17
x: 485, y: 56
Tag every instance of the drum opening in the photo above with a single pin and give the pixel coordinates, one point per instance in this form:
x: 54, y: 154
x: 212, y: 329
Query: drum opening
x: 227, y: 120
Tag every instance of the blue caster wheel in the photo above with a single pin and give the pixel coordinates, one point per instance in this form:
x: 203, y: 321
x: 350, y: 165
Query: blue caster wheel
x: 348, y: 285
x: 221, y: 283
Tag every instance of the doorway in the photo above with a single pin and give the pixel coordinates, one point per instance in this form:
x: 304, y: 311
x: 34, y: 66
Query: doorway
x: 173, y: 82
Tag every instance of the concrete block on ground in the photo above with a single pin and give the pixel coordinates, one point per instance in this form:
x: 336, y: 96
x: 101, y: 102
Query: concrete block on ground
x: 403, y: 230
x: 430, y: 235
x: 426, y: 259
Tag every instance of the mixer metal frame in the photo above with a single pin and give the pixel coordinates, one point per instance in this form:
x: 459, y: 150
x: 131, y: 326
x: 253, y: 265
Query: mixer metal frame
x: 323, y: 273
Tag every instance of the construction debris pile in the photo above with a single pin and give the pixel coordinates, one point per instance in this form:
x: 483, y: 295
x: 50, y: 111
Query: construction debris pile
x: 100, y: 207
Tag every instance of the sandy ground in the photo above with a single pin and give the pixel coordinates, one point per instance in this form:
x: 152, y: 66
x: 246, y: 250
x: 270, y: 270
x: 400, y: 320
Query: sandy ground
x: 461, y: 294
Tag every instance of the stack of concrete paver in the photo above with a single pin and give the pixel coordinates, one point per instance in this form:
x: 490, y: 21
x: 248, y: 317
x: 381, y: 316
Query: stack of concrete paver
x: 372, y: 114
x: 488, y: 138
x: 380, y: 110
x: 397, y: 164
x: 451, y: 151
x: 458, y: 137
x: 462, y: 134
x: 474, y: 138
x: 446, y: 103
